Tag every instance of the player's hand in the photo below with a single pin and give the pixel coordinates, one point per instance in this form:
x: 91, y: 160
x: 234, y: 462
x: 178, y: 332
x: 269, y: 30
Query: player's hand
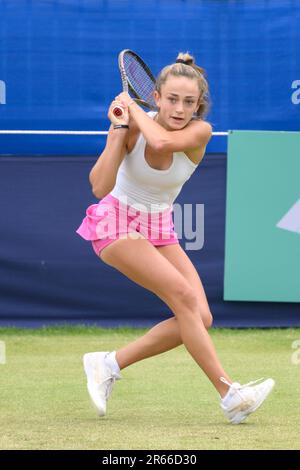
x: 124, y: 118
x: 125, y: 98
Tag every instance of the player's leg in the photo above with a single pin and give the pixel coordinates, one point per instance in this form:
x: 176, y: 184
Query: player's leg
x: 141, y: 262
x: 166, y: 334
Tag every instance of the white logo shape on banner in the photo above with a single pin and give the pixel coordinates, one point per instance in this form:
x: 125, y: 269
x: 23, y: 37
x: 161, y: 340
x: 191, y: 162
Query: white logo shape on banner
x: 291, y: 220
x: 296, y: 95
x: 2, y: 92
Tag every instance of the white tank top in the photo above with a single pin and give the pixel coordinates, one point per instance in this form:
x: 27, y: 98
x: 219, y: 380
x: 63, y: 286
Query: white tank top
x: 155, y: 189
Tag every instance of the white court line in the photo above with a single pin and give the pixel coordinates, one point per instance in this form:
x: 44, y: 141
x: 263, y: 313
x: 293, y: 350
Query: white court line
x: 32, y: 132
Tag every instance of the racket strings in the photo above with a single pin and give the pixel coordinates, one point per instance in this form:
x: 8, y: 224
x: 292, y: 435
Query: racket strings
x: 139, y: 79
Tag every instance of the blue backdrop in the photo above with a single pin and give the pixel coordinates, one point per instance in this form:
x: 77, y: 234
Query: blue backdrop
x: 58, y: 61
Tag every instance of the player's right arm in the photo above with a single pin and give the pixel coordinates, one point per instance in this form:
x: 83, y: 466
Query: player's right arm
x: 104, y: 173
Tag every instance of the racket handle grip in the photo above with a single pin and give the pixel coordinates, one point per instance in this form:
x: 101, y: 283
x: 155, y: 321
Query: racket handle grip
x: 118, y: 111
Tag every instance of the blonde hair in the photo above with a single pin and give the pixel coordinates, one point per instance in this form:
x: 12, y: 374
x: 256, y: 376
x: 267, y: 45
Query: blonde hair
x: 186, y: 67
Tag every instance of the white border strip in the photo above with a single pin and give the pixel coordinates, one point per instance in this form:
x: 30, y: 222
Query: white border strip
x: 54, y: 132
x: 32, y: 132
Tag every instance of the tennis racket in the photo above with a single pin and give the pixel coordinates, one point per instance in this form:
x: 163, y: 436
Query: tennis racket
x: 136, y: 78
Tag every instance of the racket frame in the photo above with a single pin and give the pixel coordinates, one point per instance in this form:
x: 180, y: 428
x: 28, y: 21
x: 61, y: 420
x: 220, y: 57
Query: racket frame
x: 127, y: 85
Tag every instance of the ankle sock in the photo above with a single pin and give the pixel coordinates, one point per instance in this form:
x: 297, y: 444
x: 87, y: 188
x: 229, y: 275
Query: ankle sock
x: 226, y: 397
x: 111, y: 361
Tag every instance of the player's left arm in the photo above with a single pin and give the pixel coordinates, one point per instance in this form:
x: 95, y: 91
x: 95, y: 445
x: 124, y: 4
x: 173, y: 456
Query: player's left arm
x: 195, y: 134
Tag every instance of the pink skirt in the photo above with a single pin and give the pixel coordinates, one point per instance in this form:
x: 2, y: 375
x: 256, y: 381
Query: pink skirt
x: 111, y: 219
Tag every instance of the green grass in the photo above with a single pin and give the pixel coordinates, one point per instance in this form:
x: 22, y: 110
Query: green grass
x: 164, y: 402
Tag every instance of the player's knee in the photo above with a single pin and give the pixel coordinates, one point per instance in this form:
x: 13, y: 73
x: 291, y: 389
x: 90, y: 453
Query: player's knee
x: 186, y: 297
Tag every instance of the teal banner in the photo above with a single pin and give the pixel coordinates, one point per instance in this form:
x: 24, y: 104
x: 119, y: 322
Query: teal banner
x: 262, y: 239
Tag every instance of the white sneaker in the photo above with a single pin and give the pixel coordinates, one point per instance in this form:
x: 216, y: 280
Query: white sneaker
x: 241, y: 400
x: 100, y: 379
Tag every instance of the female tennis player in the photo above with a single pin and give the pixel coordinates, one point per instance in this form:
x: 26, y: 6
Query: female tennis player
x: 147, y: 159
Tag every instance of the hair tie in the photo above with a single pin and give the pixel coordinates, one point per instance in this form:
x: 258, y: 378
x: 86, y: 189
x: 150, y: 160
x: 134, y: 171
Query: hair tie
x: 181, y: 61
